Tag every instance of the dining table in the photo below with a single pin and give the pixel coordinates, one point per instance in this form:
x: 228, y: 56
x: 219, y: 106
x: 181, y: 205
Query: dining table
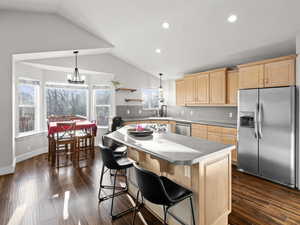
x: 53, y: 129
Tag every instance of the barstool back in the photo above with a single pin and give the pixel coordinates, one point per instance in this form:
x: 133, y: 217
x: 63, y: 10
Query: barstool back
x: 108, y: 158
x: 151, y: 186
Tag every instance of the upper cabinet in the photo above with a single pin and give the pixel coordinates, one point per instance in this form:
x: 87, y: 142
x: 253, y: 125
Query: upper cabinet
x: 180, y: 92
x: 190, y: 89
x: 202, y: 88
x: 217, y: 86
x: 280, y: 73
x: 268, y: 73
x: 232, y: 86
x: 251, y: 76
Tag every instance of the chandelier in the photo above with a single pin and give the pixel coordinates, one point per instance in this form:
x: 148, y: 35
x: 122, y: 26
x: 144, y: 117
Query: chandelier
x: 75, y: 78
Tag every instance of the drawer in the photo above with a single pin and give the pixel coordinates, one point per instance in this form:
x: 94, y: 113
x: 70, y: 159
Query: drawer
x: 216, y: 137
x: 214, y: 129
x: 232, y: 131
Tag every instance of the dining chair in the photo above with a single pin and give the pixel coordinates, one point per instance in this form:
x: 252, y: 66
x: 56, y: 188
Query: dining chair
x: 65, y: 143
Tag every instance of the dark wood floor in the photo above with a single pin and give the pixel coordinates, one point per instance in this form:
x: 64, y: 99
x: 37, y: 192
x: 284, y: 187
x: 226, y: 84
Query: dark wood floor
x: 39, y: 195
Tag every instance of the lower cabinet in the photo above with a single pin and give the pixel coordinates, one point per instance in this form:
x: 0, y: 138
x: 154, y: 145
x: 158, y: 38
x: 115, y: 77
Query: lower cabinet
x: 217, y: 134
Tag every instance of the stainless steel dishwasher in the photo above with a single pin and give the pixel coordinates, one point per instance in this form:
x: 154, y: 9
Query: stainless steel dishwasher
x: 183, y: 128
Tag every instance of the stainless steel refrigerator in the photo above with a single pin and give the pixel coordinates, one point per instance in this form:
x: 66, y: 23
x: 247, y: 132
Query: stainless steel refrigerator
x: 266, y: 134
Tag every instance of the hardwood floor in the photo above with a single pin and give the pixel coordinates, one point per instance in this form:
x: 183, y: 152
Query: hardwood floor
x: 256, y: 201
x: 39, y: 195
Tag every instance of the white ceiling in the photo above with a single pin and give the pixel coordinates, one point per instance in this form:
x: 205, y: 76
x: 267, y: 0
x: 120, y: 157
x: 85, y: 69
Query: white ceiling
x: 199, y: 36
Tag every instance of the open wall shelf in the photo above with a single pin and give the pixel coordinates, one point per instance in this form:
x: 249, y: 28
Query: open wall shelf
x: 126, y: 89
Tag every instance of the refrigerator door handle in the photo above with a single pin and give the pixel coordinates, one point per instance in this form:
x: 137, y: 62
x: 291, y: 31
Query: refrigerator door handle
x: 260, y: 108
x: 256, y: 122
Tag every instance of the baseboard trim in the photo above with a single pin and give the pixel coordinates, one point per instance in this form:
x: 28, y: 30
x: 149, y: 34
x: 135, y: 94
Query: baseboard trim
x: 9, y: 169
x: 31, y: 154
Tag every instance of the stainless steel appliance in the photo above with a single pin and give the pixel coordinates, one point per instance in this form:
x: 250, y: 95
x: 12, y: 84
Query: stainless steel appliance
x: 163, y: 111
x: 183, y: 129
x: 266, y: 134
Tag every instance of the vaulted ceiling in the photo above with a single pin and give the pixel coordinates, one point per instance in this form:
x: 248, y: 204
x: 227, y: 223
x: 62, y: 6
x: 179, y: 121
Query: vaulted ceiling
x: 199, y: 36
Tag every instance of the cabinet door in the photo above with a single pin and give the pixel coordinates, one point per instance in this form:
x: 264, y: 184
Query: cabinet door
x: 202, y: 88
x: 190, y: 87
x: 180, y: 93
x: 231, y: 140
x: 251, y: 77
x: 199, y: 131
x: 232, y: 87
x: 280, y: 73
x: 217, y: 87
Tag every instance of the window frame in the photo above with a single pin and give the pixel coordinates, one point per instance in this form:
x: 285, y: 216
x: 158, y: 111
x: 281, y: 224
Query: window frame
x: 65, y: 85
x: 110, y: 106
x: 36, y: 106
x: 151, y: 108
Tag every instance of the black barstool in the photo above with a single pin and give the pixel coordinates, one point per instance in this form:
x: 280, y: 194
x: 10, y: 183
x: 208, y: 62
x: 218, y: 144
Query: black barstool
x: 110, y: 162
x: 160, y: 190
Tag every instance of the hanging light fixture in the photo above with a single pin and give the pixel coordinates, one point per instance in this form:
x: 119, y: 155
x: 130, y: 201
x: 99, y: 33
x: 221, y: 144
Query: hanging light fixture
x: 161, y: 93
x: 75, y: 78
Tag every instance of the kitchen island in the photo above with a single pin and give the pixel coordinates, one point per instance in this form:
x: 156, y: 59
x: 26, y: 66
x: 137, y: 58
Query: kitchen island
x: 199, y: 165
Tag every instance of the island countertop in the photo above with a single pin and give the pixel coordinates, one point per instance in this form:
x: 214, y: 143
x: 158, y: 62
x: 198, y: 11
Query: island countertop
x: 174, y: 148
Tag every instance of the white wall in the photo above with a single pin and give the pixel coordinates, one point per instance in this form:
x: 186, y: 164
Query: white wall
x: 128, y: 75
x: 27, y: 32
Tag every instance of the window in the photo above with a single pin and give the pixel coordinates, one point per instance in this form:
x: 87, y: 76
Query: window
x: 150, y: 98
x: 27, y: 105
x: 103, y: 105
x: 66, y: 100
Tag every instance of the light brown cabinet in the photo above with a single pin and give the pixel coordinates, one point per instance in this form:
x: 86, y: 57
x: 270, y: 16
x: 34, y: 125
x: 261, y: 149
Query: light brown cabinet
x: 199, y: 131
x: 251, y: 77
x: 217, y: 134
x: 280, y: 73
x: 217, y: 87
x: 180, y: 92
x: 268, y: 73
x: 202, y: 88
x: 190, y: 89
x: 232, y: 87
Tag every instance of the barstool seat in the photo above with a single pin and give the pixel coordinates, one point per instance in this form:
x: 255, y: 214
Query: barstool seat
x: 176, y: 192
x: 161, y: 191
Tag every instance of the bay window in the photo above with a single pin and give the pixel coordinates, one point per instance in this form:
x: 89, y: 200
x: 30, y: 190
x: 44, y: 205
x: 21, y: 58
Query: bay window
x: 66, y: 100
x: 27, y: 91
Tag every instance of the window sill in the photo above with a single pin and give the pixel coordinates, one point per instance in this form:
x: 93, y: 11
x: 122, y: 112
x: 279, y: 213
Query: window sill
x: 28, y: 134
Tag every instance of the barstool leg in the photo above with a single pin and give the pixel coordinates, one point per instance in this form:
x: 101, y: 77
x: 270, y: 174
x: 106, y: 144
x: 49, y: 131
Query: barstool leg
x: 165, y: 214
x: 136, y: 206
x: 101, y: 179
x: 113, y: 196
x: 192, y: 209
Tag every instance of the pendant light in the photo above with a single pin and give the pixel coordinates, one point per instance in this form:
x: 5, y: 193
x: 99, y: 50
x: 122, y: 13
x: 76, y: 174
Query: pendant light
x: 161, y: 92
x: 75, y: 78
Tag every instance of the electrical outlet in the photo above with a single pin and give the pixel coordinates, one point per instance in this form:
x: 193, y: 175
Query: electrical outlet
x: 230, y: 115
x: 140, y: 111
x: 191, y: 112
x: 128, y: 111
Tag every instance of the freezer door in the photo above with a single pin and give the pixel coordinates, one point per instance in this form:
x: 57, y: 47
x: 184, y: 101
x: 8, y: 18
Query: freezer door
x: 247, y: 131
x: 277, y: 131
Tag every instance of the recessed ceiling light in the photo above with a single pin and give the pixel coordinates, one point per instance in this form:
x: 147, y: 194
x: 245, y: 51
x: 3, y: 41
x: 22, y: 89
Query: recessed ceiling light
x: 232, y: 18
x: 165, y: 25
x: 158, y: 50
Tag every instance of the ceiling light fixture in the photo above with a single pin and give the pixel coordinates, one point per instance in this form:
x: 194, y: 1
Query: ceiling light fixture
x: 75, y: 78
x: 232, y: 18
x: 165, y: 25
x: 158, y: 50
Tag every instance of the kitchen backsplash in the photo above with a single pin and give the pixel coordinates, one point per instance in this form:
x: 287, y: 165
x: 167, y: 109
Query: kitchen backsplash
x: 134, y: 111
x: 216, y: 114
